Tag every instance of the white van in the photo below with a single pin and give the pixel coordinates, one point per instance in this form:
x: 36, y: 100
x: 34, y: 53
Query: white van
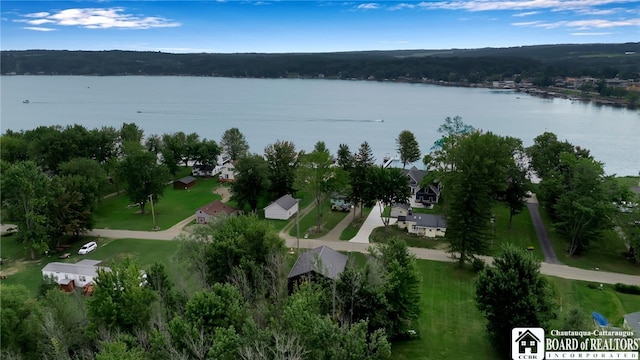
x: 87, y: 248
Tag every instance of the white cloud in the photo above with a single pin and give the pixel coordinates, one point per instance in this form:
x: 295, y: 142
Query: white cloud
x: 98, y: 18
x: 401, y: 6
x: 591, y: 34
x: 486, y: 5
x: 38, y: 28
x: 581, y: 24
x: 368, y: 6
x: 528, y: 13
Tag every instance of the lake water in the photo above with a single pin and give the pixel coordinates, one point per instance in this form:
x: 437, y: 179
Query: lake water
x: 306, y: 111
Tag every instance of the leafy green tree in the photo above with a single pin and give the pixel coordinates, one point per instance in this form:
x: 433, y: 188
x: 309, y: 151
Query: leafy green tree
x: 191, y: 148
x: 102, y: 145
x: 545, y: 153
x: 318, y: 177
x: 390, y: 185
x: 251, y: 181
x: 440, y: 160
x: 26, y: 194
x: 360, y: 182
x: 13, y: 148
x: 512, y: 293
x: 210, y: 325
x: 207, y: 152
x: 344, y: 157
x: 19, y: 316
x: 360, y: 294
x: 629, y: 225
x: 63, y: 323
x: 173, y: 149
x: 283, y: 159
x: 234, y: 144
x: 69, y: 213
x: 144, y: 178
x: 583, y: 209
x: 119, y: 350
x: 518, y: 183
x: 121, y: 298
x: 130, y: 132
x: 480, y: 168
x: 153, y: 144
x: 407, y: 147
x: 402, y: 286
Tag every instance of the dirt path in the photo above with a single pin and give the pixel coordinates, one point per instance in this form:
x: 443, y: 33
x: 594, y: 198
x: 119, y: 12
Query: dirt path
x: 334, y: 234
x: 223, y: 191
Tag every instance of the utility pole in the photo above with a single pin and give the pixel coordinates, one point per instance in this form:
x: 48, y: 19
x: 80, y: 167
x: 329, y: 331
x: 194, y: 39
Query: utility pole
x: 153, y: 213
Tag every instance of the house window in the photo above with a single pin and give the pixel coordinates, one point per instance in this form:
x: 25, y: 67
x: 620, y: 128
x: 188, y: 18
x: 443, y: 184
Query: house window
x: 523, y: 343
x: 82, y: 278
x: 532, y: 343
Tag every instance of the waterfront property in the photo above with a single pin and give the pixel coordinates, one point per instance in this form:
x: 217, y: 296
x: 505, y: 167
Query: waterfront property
x: 71, y: 276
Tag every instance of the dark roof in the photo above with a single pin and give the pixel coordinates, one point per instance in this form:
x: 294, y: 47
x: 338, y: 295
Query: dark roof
x: 426, y: 220
x: 218, y: 207
x: 633, y: 321
x: 332, y: 263
x: 203, y: 167
x: 527, y: 334
x: 286, y: 201
x: 415, y: 174
x: 186, y: 180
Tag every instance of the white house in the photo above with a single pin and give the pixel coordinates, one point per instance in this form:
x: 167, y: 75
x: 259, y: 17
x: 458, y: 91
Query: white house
x: 81, y: 273
x: 281, y: 209
x: 227, y: 171
x: 427, y: 225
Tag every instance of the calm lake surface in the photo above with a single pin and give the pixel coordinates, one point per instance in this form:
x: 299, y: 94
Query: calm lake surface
x: 306, y: 111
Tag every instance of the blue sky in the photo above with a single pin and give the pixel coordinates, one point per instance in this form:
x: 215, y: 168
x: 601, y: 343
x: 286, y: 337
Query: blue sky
x: 312, y: 26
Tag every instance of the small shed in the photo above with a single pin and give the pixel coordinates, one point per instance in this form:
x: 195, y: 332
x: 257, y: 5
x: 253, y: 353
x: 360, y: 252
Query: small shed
x: 281, y: 209
x: 317, y: 264
x: 216, y: 208
x: 184, y: 183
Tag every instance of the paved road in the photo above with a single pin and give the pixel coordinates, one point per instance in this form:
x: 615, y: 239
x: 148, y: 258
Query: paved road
x: 371, y: 222
x: 545, y: 244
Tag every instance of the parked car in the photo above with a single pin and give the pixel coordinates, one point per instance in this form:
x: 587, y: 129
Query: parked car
x: 87, y: 248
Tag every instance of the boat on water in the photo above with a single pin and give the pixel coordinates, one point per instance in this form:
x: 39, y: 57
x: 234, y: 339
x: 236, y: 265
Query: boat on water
x: 25, y: 101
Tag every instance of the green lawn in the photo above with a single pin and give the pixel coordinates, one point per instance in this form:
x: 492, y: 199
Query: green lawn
x: 175, y: 205
x: 522, y: 234
x: 354, y: 226
x: 22, y: 270
x: 607, y: 254
x: 452, y: 328
x: 308, y: 222
x: 382, y: 234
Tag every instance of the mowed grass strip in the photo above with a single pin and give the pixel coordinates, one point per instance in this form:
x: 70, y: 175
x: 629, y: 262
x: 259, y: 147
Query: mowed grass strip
x: 175, y: 205
x: 329, y: 220
x: 450, y: 327
x: 355, y: 224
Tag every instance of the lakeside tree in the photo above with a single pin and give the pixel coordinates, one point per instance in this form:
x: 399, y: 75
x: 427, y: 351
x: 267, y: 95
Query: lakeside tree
x: 153, y: 143
x: 518, y: 183
x: 389, y: 186
x: 234, y: 144
x: 251, y: 181
x: 512, y: 293
x: 206, y: 152
x: 144, y: 178
x: 319, y: 178
x: 173, y: 149
x: 408, y: 147
x: 344, y: 157
x: 283, y: 160
x: 440, y: 159
x: 480, y: 163
x: 26, y: 195
x: 361, y: 189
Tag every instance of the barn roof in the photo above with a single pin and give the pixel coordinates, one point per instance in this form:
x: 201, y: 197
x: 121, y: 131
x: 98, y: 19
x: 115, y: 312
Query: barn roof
x: 217, y: 207
x: 323, y: 260
x: 186, y: 180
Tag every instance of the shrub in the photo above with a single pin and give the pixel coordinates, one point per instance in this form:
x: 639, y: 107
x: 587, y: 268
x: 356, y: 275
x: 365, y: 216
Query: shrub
x: 478, y: 264
x: 627, y: 289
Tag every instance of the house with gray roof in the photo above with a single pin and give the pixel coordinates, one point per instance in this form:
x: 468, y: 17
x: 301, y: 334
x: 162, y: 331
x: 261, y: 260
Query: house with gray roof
x: 316, y: 264
x: 70, y: 276
x: 427, y: 225
x: 415, y: 177
x: 281, y: 209
x: 632, y: 322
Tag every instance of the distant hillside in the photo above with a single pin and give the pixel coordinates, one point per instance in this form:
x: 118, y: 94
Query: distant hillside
x: 456, y: 65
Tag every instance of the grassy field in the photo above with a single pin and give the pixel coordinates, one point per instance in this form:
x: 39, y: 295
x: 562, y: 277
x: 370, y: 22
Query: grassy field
x: 20, y: 270
x: 308, y: 222
x: 176, y: 205
x: 382, y: 234
x: 606, y: 254
x: 522, y: 234
x: 452, y: 328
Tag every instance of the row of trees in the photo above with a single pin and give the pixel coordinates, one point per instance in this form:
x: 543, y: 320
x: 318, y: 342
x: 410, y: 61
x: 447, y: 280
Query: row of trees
x: 239, y: 308
x: 54, y: 177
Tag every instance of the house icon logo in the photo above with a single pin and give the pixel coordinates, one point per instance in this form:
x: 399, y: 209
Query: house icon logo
x: 527, y: 343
